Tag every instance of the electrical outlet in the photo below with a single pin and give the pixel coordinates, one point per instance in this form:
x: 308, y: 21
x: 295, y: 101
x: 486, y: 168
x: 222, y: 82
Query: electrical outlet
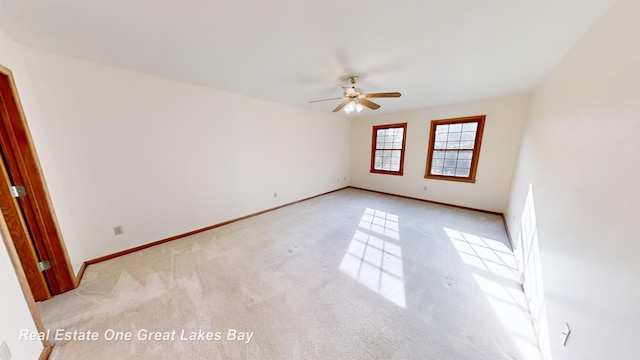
x: 118, y: 230
x: 425, y: 188
x: 5, y: 354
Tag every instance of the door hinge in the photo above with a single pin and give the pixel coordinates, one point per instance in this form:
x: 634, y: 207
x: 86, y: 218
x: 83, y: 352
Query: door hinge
x: 44, y: 265
x: 18, y: 191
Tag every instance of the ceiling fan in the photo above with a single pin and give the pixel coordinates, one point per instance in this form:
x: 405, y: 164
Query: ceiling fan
x: 354, y: 99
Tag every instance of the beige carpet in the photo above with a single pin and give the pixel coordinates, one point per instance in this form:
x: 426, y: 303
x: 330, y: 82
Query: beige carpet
x: 349, y: 275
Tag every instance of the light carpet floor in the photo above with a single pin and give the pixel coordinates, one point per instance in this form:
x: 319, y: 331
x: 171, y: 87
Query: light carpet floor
x: 348, y: 275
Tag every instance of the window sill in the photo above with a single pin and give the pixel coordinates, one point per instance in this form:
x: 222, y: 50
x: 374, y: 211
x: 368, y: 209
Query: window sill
x: 450, y: 178
x: 397, y: 173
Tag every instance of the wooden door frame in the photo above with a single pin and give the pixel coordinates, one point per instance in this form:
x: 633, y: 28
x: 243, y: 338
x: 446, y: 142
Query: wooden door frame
x: 24, y: 284
x: 38, y: 215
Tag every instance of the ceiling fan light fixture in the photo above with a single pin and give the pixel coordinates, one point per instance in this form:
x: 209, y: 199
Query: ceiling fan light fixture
x: 352, y: 106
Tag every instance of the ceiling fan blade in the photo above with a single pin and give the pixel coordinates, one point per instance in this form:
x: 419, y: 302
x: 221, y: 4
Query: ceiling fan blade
x: 339, y: 107
x: 383, y: 95
x: 370, y: 104
x: 339, y: 98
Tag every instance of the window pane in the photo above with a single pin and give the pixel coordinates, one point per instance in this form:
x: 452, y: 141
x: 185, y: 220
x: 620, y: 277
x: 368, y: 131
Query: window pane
x: 441, y: 137
x: 442, y: 129
x: 465, y: 164
x: 468, y: 136
x: 450, y: 163
x: 462, y: 172
x: 454, y: 136
x: 465, y: 155
x: 453, y: 145
x: 391, y: 166
x: 449, y: 171
x: 386, y: 161
x: 466, y: 145
x: 470, y: 126
x: 451, y: 154
x: 437, y: 162
x: 438, y: 154
x: 440, y: 145
x: 455, y: 128
x: 436, y: 170
x: 388, y: 135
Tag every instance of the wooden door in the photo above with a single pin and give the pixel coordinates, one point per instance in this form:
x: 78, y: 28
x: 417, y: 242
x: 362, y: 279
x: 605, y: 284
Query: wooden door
x: 29, y: 216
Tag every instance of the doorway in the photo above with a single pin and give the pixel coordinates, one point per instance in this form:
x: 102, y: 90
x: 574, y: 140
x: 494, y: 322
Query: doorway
x: 25, y: 203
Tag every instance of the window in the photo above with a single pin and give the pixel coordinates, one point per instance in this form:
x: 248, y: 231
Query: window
x: 454, y: 147
x: 387, y: 149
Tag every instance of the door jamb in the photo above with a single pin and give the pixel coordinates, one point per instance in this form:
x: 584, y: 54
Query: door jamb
x: 70, y: 281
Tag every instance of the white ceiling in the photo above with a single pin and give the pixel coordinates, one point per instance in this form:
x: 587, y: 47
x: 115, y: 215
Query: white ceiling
x: 291, y: 52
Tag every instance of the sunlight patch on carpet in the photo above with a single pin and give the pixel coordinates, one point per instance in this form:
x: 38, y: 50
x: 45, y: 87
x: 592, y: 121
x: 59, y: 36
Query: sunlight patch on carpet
x: 495, y: 270
x: 374, y: 256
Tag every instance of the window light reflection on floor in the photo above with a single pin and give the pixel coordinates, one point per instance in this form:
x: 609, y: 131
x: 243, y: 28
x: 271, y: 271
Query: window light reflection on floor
x: 495, y: 271
x: 381, y: 222
x: 374, y: 256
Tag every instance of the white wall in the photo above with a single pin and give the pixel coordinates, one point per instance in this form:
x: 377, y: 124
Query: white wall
x: 158, y: 157
x: 161, y: 157
x: 503, y: 127
x: 14, y: 313
x: 580, y: 155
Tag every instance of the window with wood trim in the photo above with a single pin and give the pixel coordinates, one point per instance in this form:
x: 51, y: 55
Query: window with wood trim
x: 454, y: 148
x: 387, y: 149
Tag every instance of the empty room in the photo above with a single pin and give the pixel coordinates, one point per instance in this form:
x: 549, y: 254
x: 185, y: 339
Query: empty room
x: 319, y: 179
